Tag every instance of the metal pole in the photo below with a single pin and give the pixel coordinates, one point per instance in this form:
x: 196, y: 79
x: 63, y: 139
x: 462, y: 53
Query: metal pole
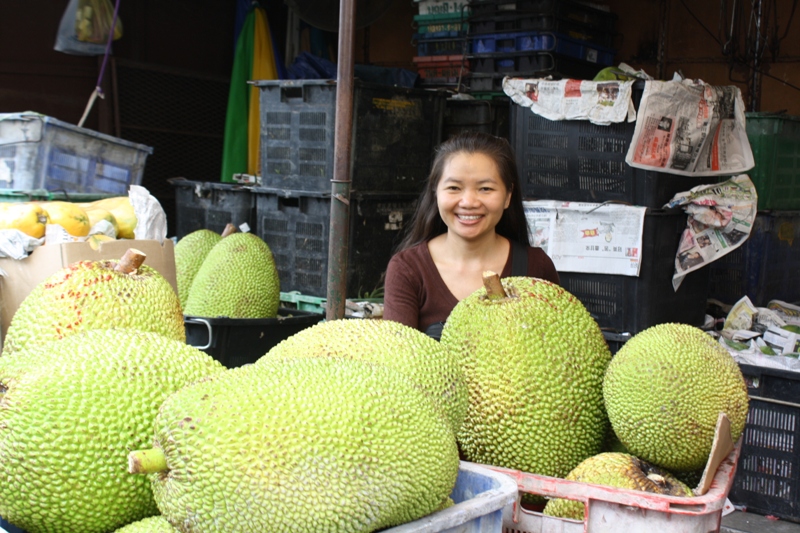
x: 338, y: 242
x: 755, y: 89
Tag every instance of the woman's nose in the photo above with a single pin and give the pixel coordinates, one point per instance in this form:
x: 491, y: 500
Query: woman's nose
x: 468, y: 198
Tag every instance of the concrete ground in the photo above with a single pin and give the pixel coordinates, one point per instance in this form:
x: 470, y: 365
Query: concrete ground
x: 742, y: 522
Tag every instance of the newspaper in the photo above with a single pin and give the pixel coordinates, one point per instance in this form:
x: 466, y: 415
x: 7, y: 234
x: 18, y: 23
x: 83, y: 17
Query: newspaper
x: 588, y: 237
x: 721, y: 216
x: 690, y: 128
x: 600, y: 102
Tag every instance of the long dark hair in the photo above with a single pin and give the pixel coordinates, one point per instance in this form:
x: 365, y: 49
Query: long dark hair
x: 426, y: 222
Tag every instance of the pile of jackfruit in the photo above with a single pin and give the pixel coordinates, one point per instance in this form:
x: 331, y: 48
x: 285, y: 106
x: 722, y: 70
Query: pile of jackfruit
x: 109, y: 421
x: 77, y: 218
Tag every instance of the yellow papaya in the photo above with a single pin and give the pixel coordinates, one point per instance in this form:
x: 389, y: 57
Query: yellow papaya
x: 69, y: 216
x: 121, y: 208
x: 96, y: 214
x: 29, y: 218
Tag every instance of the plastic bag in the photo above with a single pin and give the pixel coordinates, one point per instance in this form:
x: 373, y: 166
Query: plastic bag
x: 66, y: 39
x: 93, y: 20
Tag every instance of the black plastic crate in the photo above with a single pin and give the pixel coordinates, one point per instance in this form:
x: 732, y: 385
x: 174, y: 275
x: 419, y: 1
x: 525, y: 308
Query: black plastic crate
x: 488, y: 70
x: 395, y: 130
x: 296, y: 226
x: 572, y: 11
x: 488, y: 116
x: 765, y: 266
x: 578, y: 161
x: 240, y: 341
x: 615, y: 340
x: 768, y: 470
x: 536, y: 22
x: 210, y: 205
x: 628, y: 304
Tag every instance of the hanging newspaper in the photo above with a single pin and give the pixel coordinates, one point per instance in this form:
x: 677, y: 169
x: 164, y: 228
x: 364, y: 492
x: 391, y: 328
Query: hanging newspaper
x: 600, y: 102
x: 691, y: 128
x: 721, y: 216
x: 588, y: 237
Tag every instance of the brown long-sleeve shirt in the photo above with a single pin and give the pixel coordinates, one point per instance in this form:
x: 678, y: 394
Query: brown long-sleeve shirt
x: 417, y: 296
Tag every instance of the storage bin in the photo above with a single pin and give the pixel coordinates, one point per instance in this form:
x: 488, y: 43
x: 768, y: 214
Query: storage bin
x: 394, y: 133
x: 564, y: 9
x: 441, y: 70
x: 768, y: 475
x: 441, y: 47
x: 437, y: 26
x: 615, y: 510
x: 240, y: 341
x: 540, y: 42
x: 765, y: 266
x: 43, y: 195
x: 579, y: 161
x: 296, y: 226
x: 535, y: 22
x: 615, y: 341
x: 775, y: 140
x: 210, y: 205
x: 480, y: 495
x: 488, y: 116
x: 41, y: 152
x: 442, y: 7
x: 627, y: 304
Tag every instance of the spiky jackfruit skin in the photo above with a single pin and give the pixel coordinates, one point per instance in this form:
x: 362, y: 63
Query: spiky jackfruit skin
x: 92, y: 295
x: 664, y: 391
x: 70, y: 412
x: 390, y: 343
x: 238, y: 279
x: 190, y: 252
x: 317, y: 444
x: 153, y: 524
x: 534, y: 364
x: 620, y: 470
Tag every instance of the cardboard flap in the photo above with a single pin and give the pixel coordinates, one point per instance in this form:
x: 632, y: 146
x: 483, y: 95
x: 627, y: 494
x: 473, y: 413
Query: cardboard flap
x: 720, y: 449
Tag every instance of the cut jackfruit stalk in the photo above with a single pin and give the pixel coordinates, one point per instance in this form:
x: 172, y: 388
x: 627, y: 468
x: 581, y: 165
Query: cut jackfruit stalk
x: 494, y: 288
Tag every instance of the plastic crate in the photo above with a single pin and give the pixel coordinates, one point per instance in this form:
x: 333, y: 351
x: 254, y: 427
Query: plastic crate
x: 447, y: 25
x: 296, y: 226
x: 775, y: 140
x: 41, y: 152
x: 445, y: 70
x: 541, y: 42
x: 240, y: 341
x: 488, y: 70
x: 572, y: 11
x: 615, y: 510
x: 395, y: 131
x: 480, y: 496
x: 765, y: 266
x: 442, y: 7
x: 535, y: 22
x: 578, y: 161
x: 627, y: 304
x: 210, y: 205
x: 615, y: 340
x: 488, y: 116
x: 441, y: 47
x: 43, y: 195
x: 768, y: 475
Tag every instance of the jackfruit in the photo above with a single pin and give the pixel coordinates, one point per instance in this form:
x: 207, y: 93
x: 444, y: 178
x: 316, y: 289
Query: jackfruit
x: 29, y: 218
x: 664, y: 391
x: 620, y: 470
x: 153, y: 524
x: 389, y: 343
x: 69, y: 216
x: 238, y: 279
x: 190, y: 252
x: 316, y: 444
x: 534, y: 361
x: 70, y: 411
x: 93, y: 295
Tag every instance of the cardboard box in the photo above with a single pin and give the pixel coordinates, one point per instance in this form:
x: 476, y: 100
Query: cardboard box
x: 23, y: 275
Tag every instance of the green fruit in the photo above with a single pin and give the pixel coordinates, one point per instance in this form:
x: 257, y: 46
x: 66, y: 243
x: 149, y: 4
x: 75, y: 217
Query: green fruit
x: 664, y: 391
x: 316, y: 444
x: 154, y: 524
x: 534, y: 363
x: 238, y: 279
x: 389, y: 343
x: 70, y: 412
x: 616, y: 470
x: 92, y: 295
x: 190, y: 252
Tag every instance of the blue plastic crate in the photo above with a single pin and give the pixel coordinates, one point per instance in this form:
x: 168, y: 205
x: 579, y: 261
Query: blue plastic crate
x: 764, y: 267
x: 520, y: 42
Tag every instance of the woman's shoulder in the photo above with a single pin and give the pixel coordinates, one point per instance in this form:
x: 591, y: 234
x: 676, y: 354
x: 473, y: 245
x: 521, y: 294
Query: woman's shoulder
x: 414, y: 254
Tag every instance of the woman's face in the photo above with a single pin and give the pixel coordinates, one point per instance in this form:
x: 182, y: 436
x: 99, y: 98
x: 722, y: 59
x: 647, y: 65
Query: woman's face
x: 471, y: 195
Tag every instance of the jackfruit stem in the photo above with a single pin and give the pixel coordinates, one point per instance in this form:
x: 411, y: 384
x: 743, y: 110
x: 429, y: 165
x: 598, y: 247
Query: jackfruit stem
x: 494, y: 289
x: 147, y: 461
x: 131, y: 261
x: 229, y: 229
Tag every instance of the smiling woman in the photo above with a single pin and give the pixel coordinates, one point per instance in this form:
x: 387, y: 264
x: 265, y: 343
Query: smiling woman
x: 469, y: 219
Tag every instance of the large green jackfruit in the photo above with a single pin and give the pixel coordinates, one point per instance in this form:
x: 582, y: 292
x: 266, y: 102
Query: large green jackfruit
x: 92, y: 295
x: 318, y: 444
x: 664, y: 391
x: 70, y: 411
x: 238, y: 279
x: 620, y: 470
x: 390, y: 343
x: 190, y: 252
x: 534, y: 362
x: 153, y: 524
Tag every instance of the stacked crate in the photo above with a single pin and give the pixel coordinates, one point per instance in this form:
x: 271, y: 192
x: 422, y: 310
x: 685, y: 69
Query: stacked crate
x: 441, y: 31
x: 536, y: 38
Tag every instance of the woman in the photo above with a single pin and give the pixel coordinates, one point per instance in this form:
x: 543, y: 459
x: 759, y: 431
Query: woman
x: 469, y: 219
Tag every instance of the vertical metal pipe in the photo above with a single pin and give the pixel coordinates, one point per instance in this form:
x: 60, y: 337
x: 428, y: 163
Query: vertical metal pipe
x: 339, y: 239
x: 755, y: 87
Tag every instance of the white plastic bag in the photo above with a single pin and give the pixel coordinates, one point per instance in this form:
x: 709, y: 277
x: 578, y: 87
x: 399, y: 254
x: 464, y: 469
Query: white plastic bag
x: 67, y: 40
